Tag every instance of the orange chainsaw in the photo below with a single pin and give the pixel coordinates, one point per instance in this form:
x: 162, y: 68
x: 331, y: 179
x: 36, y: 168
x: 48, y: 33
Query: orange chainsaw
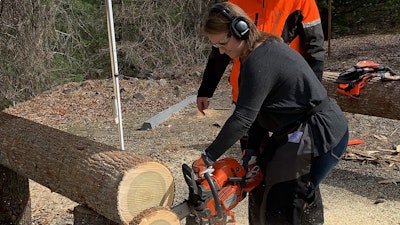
x: 351, y: 81
x: 212, y: 197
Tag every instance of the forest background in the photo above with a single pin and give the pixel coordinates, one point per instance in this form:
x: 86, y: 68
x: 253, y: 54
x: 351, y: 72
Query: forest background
x: 47, y: 43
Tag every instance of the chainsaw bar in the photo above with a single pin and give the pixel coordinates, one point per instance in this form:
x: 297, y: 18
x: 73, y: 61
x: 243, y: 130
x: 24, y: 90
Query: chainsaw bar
x: 182, y: 210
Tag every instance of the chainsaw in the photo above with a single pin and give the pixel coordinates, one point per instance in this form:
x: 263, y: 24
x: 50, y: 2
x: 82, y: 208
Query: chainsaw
x: 212, y: 197
x: 351, y: 81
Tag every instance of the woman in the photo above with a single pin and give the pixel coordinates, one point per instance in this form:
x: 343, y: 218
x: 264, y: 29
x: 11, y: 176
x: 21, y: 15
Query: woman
x: 297, y: 22
x: 278, y: 94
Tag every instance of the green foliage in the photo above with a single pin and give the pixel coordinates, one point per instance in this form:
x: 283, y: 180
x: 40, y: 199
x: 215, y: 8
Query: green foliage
x: 322, y: 4
x: 5, y: 103
x: 155, y: 35
x: 50, y: 42
x: 24, y: 52
x: 351, y: 17
x: 80, y: 34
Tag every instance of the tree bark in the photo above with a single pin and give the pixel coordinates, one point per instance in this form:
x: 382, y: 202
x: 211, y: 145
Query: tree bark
x: 156, y: 216
x: 116, y: 184
x: 15, y: 203
x: 377, y: 98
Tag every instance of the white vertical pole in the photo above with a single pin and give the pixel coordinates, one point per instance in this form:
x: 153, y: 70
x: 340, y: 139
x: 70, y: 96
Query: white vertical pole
x: 114, y: 67
x: 329, y: 26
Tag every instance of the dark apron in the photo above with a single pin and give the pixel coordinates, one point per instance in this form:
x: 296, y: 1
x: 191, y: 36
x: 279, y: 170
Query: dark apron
x: 286, y: 196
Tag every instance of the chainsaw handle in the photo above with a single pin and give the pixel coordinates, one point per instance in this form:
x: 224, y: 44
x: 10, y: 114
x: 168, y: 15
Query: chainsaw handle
x: 217, y: 201
x: 190, y: 178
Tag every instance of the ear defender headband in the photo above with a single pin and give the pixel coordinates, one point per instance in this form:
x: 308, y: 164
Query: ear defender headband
x: 239, y: 25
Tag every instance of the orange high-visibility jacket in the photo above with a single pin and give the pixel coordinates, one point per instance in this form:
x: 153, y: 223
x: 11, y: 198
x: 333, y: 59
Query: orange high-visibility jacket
x: 296, y: 21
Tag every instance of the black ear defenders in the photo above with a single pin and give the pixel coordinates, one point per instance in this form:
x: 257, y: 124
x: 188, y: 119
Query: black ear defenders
x: 239, y: 25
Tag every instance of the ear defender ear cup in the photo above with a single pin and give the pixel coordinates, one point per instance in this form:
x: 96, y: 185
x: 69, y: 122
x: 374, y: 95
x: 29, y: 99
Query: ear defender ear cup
x: 240, y: 28
x: 239, y: 25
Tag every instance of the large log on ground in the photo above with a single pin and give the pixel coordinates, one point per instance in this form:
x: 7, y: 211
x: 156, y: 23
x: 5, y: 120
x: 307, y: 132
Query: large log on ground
x: 116, y: 184
x: 377, y: 98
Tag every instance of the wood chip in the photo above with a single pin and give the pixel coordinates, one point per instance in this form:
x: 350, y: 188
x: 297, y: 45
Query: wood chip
x: 379, y: 200
x: 386, y: 150
x: 380, y: 137
x: 398, y: 148
x: 389, y: 181
x: 365, y: 154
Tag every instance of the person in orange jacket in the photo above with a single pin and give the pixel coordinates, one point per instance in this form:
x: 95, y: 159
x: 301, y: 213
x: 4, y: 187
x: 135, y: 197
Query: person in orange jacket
x: 297, y: 22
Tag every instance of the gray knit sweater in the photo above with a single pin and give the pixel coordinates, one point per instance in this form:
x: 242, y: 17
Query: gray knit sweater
x: 278, y: 89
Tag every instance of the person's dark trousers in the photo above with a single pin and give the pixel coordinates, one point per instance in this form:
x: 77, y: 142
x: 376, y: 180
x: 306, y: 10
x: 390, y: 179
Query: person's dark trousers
x: 286, y: 192
x: 254, y: 202
x: 243, y: 143
x: 322, y: 165
x: 312, y: 214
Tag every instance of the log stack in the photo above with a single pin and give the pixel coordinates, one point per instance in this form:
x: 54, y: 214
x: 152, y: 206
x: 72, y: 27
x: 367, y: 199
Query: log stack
x: 116, y: 184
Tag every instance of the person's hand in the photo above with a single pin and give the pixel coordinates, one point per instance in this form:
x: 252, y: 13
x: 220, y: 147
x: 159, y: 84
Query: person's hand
x: 202, y: 165
x: 249, y: 158
x: 253, y: 172
x: 202, y: 104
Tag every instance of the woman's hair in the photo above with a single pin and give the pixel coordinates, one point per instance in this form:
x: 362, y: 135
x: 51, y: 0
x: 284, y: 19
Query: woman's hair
x: 216, y: 23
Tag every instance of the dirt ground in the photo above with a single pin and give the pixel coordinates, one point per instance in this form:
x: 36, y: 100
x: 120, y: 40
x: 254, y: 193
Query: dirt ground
x: 363, y: 189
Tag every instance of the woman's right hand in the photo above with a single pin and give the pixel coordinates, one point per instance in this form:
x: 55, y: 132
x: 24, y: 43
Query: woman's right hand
x: 202, y: 104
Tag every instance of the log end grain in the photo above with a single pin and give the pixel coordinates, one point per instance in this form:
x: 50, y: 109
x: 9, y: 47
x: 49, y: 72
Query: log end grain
x: 148, y: 185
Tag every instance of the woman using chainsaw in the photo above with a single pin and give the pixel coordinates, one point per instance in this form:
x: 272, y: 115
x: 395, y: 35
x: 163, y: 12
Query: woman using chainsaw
x: 297, y: 22
x: 279, y: 94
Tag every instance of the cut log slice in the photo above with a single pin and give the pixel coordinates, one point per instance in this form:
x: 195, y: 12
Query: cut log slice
x: 156, y: 216
x: 148, y: 185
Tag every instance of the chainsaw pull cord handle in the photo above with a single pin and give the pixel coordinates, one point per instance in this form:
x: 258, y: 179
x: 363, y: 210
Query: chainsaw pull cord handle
x: 217, y: 201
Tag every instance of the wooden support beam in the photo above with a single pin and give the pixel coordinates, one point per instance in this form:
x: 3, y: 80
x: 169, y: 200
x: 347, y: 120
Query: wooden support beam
x: 15, y: 201
x: 377, y: 98
x: 85, y: 216
x: 116, y: 184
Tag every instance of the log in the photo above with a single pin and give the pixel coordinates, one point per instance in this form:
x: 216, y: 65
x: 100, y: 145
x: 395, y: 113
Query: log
x: 156, y: 216
x: 377, y: 98
x: 116, y: 184
x: 15, y: 201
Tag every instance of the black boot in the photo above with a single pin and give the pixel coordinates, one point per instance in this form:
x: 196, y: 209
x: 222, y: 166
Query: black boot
x: 314, y: 212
